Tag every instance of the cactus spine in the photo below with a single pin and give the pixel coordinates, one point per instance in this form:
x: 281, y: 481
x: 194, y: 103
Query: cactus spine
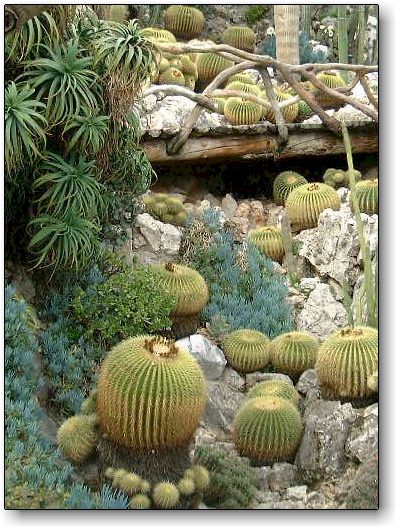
x: 151, y: 394
x: 172, y: 76
x: 290, y: 112
x: 247, y: 350
x: 241, y: 111
x: 165, y: 495
x: 284, y: 183
x: 239, y: 37
x: 331, y: 80
x: 183, y: 21
x: 209, y: 65
x: 200, y: 476
x: 77, y: 437
x: 165, y: 208
x: 140, y: 502
x: 153, y: 33
x: 294, y: 352
x: 346, y: 360
x: 277, y: 388
x: 269, y: 241
x: 242, y: 77
x: 367, y: 196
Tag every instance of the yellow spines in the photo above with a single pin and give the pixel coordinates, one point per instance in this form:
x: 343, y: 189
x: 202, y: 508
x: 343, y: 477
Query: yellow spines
x: 284, y: 183
x: 290, y: 112
x: 274, y: 387
x: 172, y: 76
x: 244, y: 87
x: 367, y: 196
x: 209, y: 65
x: 242, y: 77
x: 269, y: 241
x: 246, y: 350
x: 159, y: 34
x: 239, y: 37
x: 77, y: 437
x: 183, y: 21
x: 240, y: 111
x: 139, y: 502
x: 294, y: 352
x: 165, y: 495
x: 331, y: 80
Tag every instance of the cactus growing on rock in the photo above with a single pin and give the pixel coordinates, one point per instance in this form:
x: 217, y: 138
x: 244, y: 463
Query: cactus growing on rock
x: 346, y: 360
x: 165, y: 495
x: 274, y: 387
x: 246, y: 350
x: 209, y: 65
x: 367, y: 196
x: 294, y: 352
x: 267, y: 430
x: 284, y: 183
x: 172, y: 76
x: 305, y: 203
x: 269, y: 241
x: 151, y: 394
x: 77, y: 437
x: 183, y: 21
x: 240, y: 111
x: 239, y: 37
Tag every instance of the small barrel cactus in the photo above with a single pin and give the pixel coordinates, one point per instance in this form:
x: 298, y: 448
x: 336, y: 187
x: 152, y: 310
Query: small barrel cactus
x: 186, y: 284
x: 304, y: 111
x: 172, y: 76
x: 267, y: 430
x: 241, y: 111
x: 183, y: 21
x: 151, y: 394
x: 186, y: 65
x: 305, y: 203
x: 200, y: 475
x: 153, y: 33
x: 290, y: 112
x: 186, y: 486
x: 77, y: 437
x: 336, y: 178
x: 129, y: 483
x: 164, y: 64
x: 139, y: 502
x: 190, y: 81
x: 346, y: 360
x: 165, y: 495
x: 367, y: 196
x: 209, y: 65
x: 269, y: 241
x: 294, y: 352
x: 284, y: 183
x: 244, y: 87
x: 239, y: 37
x: 247, y: 350
x: 331, y: 80
x: 274, y: 387
x: 242, y: 77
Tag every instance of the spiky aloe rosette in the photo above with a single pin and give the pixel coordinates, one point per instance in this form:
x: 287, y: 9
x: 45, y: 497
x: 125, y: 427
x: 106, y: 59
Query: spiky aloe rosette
x: 183, y: 21
x: 305, y: 203
x: 151, y: 394
x: 209, y: 65
x: 367, y: 196
x: 269, y: 241
x: 284, y: 183
x: 346, y: 360
x: 294, y: 352
x: 246, y: 350
x: 77, y: 437
x: 240, y: 111
x: 331, y: 80
x: 267, y: 430
x: 239, y: 37
x: 274, y: 387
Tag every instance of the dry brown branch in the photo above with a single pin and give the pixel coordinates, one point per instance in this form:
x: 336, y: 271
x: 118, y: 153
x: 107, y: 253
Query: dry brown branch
x: 371, y: 98
x: 245, y: 95
x: 171, y: 89
x: 278, y: 115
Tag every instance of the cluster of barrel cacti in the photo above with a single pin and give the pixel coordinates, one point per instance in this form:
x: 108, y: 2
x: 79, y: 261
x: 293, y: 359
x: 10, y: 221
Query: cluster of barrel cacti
x: 165, y: 208
x: 339, y: 178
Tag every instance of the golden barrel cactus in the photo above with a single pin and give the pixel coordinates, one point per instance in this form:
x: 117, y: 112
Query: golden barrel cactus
x: 183, y: 21
x: 269, y: 241
x: 240, y: 111
x: 239, y: 37
x: 247, y: 350
x: 209, y: 65
x: 284, y: 183
x: 294, y: 352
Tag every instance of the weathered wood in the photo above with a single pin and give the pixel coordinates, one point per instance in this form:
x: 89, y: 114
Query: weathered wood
x: 228, y: 148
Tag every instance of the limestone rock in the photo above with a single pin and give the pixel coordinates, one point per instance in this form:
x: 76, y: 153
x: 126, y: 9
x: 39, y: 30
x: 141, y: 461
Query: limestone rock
x: 308, y: 284
x: 282, y: 476
x: 256, y: 377
x: 209, y: 356
x: 362, y: 442
x: 308, y: 384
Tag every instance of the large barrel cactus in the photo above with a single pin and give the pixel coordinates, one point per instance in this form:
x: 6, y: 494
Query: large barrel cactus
x: 247, y: 350
x: 284, y: 183
x: 267, y: 430
x: 151, y: 394
x: 269, y: 241
x: 209, y: 65
x: 244, y: 87
x: 183, y: 21
x: 239, y: 37
x: 240, y: 111
x: 290, y: 112
x: 294, y: 352
x: 305, y: 203
x: 242, y: 77
x: 346, y: 360
x: 367, y: 196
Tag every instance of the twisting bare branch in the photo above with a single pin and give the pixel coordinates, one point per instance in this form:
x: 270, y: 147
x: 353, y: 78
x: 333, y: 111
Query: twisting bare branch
x: 371, y: 98
x: 278, y: 115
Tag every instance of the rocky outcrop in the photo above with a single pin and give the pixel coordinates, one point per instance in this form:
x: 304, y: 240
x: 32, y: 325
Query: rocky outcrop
x: 362, y: 443
x: 210, y: 358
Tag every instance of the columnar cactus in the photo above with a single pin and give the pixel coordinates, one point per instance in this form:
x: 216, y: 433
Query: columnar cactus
x: 240, y: 111
x: 346, y: 360
x: 274, y: 387
x: 239, y: 37
x: 284, y: 183
x: 294, y: 352
x: 183, y: 21
x: 166, y: 495
x: 246, y: 350
x: 209, y: 65
x: 305, y: 203
x: 269, y: 241
x: 367, y: 196
x: 151, y: 394
x: 77, y: 437
x: 186, y: 284
x: 331, y: 80
x: 267, y: 430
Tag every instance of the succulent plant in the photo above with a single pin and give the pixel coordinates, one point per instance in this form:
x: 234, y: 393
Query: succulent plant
x: 284, y: 183
x: 129, y: 483
x: 190, y: 82
x: 201, y: 477
x: 153, y: 33
x: 267, y: 429
x: 336, y: 178
x: 242, y: 77
x: 305, y: 203
x: 331, y: 80
x: 186, y: 65
x: 77, y: 437
x: 346, y: 360
x: 89, y: 404
x: 186, y: 486
x: 118, y: 13
x: 241, y: 111
x: 165, y: 495
x: 165, y: 208
x: 367, y: 196
x: 151, y: 394
x: 290, y: 112
x: 269, y: 241
x: 183, y: 21
x: 274, y: 387
x: 239, y: 37
x: 164, y: 64
x: 186, y: 284
x: 172, y: 76
x: 209, y: 65
x: 304, y: 111
x: 294, y: 352
x: 110, y: 472
x: 140, y: 502
x: 118, y: 474
x: 244, y: 87
x: 247, y: 350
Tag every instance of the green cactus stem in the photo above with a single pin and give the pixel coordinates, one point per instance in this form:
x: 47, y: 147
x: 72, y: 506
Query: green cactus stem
x: 247, y: 350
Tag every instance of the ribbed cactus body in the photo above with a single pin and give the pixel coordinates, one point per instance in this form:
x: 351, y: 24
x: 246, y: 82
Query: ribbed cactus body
x: 284, y: 183
x: 200, y: 476
x: 166, y: 495
x: 242, y: 77
x: 336, y: 178
x: 221, y: 101
x: 183, y: 21
x: 209, y: 65
x: 305, y: 203
x: 153, y: 33
x: 294, y: 352
x: 346, y: 360
x: 244, y: 87
x: 277, y: 388
x: 172, y: 76
x: 269, y: 241
x: 164, y: 65
x: 367, y: 196
x: 165, y: 208
x: 247, y: 350
x: 151, y: 394
x: 304, y: 111
x: 239, y: 37
x: 267, y: 430
x: 290, y: 112
x: 77, y: 437
x: 89, y: 404
x: 241, y: 111
x: 186, y: 284
x: 331, y: 80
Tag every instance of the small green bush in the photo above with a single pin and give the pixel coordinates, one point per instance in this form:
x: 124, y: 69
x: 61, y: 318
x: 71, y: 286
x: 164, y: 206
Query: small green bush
x: 232, y: 484
x: 127, y: 304
x: 255, y: 13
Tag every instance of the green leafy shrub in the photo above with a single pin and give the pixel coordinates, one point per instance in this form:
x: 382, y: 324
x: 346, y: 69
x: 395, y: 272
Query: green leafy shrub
x: 123, y: 306
x: 255, y: 13
x: 232, y: 480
